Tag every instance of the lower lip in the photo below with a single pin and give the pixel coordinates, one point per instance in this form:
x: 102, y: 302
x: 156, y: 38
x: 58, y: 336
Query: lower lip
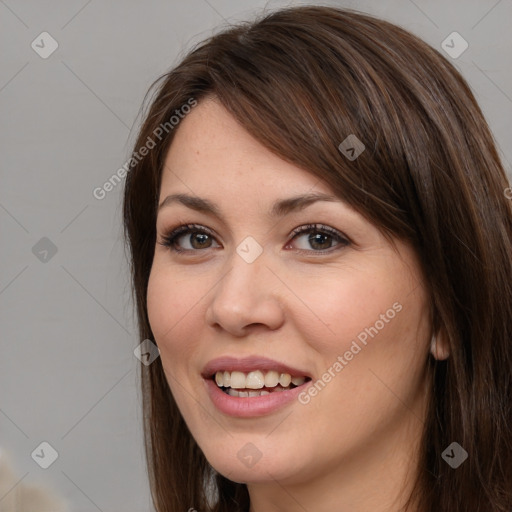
x: 250, y: 407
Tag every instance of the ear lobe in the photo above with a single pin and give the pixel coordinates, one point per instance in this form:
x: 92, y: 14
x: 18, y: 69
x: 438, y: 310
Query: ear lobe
x: 439, y: 347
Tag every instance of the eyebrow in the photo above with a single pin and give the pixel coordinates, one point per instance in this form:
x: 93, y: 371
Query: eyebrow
x: 280, y: 208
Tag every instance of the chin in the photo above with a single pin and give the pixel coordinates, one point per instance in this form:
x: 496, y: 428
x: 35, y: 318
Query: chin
x: 259, y: 473
x: 250, y: 464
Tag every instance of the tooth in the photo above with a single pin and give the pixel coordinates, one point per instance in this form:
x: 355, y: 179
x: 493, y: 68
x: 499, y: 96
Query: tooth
x: 232, y: 392
x: 237, y: 380
x: 243, y: 394
x: 285, y: 379
x: 255, y: 380
x: 298, y: 381
x: 271, y: 379
x: 264, y: 392
x: 278, y: 388
x: 254, y: 393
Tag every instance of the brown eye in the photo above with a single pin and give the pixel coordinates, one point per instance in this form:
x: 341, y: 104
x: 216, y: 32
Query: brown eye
x: 188, y: 238
x: 199, y: 240
x: 317, y: 238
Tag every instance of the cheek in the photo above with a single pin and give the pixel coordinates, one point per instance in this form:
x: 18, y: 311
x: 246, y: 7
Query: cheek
x: 340, y: 310
x: 173, y: 305
x: 170, y: 298
x: 377, y: 323
x: 375, y: 360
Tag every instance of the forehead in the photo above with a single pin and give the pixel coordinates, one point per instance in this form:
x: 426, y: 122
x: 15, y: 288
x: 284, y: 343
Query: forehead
x: 212, y: 151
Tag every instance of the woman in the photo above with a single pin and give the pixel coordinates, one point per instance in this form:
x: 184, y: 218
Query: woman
x: 320, y: 241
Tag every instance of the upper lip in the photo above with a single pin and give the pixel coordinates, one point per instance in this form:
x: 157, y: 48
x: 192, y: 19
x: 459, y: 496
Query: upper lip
x: 248, y: 364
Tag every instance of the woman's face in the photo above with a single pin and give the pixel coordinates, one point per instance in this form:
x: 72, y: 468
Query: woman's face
x: 334, y: 304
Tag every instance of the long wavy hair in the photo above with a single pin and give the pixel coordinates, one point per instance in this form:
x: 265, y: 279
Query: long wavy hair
x: 300, y: 80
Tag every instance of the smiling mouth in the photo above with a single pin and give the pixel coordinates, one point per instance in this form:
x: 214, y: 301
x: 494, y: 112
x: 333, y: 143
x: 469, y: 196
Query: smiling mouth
x: 256, y: 383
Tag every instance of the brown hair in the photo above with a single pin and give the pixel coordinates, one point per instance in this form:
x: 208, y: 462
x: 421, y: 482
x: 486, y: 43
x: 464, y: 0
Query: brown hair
x: 300, y: 80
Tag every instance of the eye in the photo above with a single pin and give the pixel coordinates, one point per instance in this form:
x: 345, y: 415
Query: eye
x: 195, y: 238
x: 319, y: 237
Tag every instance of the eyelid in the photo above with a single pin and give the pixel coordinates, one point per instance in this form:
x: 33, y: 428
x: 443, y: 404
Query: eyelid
x: 320, y: 228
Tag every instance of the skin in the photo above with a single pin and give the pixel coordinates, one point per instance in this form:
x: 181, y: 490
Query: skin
x: 353, y: 447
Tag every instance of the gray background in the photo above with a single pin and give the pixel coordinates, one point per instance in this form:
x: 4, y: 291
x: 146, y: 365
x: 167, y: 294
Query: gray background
x: 68, y: 374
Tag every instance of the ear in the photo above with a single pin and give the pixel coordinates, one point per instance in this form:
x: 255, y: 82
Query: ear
x: 439, y: 346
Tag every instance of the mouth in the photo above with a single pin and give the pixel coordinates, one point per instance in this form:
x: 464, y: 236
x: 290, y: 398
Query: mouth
x: 256, y: 383
x: 253, y: 386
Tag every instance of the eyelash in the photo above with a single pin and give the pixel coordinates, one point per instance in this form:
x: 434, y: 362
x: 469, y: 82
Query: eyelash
x: 169, y: 240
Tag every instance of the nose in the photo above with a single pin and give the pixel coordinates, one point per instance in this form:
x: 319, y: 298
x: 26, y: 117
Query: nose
x: 246, y: 299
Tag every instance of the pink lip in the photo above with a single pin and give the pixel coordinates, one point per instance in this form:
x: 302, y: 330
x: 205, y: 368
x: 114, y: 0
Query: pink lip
x: 251, y: 406
x: 249, y: 364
